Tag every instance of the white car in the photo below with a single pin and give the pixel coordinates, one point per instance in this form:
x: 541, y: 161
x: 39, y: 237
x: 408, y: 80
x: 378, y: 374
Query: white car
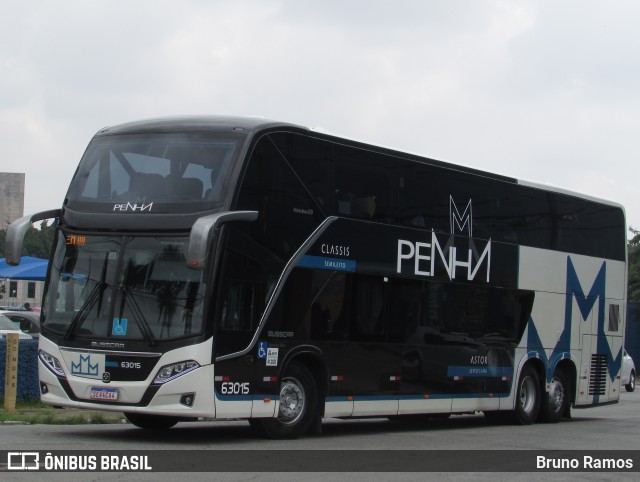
x: 8, y: 326
x: 628, y: 372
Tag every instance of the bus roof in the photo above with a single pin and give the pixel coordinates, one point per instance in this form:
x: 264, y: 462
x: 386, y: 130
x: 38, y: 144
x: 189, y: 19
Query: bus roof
x: 251, y: 125
x: 194, y: 124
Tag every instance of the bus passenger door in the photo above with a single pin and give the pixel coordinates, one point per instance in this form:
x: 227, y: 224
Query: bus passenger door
x: 239, y: 304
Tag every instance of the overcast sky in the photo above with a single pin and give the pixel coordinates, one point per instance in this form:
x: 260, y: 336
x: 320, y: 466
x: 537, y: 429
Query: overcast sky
x: 547, y: 91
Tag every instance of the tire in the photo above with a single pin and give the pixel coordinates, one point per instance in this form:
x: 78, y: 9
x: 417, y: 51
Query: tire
x: 151, y: 422
x: 631, y: 386
x: 554, y: 402
x: 297, y: 407
x: 527, y: 397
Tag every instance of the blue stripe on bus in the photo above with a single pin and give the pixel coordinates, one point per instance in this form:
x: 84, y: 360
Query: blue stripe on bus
x: 320, y: 262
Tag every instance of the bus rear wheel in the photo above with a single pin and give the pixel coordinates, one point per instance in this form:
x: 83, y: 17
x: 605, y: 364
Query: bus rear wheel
x: 151, y: 422
x: 554, y: 402
x: 297, y: 407
x: 527, y: 397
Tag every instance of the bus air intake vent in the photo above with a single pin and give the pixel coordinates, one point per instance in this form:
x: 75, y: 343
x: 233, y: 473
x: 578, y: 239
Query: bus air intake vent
x: 599, y: 371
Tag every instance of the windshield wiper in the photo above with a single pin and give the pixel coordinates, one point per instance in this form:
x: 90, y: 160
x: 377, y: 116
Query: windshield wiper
x: 83, y: 312
x: 138, y: 317
x: 95, y: 296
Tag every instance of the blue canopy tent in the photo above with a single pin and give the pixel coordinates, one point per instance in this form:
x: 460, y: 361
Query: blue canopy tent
x: 32, y: 269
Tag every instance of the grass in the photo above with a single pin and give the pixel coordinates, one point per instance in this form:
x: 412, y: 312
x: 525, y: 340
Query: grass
x: 35, y: 412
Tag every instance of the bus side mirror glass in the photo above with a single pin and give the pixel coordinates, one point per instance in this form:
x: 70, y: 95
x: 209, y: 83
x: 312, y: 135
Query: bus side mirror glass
x: 203, y: 230
x: 17, y: 231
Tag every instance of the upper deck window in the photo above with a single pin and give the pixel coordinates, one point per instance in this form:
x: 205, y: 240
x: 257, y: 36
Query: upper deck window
x: 153, y: 172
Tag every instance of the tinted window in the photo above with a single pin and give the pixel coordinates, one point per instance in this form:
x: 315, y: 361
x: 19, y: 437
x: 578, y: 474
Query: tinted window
x: 585, y: 227
x: 241, y: 300
x: 367, y: 309
x: 287, y: 214
x: 311, y: 159
x: 154, y: 168
x: 430, y: 312
x: 365, y: 184
x: 445, y: 199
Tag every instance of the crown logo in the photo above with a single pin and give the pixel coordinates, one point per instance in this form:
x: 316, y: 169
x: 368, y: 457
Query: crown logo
x: 84, y: 367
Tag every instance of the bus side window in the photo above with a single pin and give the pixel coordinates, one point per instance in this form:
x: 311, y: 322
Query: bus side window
x: 406, y: 311
x: 238, y: 305
x: 327, y: 312
x: 365, y: 184
x: 368, y: 316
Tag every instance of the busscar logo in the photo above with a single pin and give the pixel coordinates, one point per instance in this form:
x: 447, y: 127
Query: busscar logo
x: 107, y: 344
x: 428, y: 257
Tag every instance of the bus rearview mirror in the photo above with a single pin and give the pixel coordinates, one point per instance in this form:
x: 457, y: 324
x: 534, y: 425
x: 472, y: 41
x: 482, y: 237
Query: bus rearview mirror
x: 202, y: 233
x: 17, y: 231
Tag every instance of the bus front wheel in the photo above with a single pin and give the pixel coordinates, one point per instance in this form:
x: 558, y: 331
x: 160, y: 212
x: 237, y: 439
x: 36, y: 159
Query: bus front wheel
x: 151, y: 422
x: 297, y: 407
x: 528, y: 397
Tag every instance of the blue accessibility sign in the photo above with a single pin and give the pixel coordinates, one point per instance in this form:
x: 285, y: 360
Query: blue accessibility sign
x: 262, y: 349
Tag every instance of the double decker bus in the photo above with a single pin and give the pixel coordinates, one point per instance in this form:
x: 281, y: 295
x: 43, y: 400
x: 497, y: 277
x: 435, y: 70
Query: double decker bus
x: 227, y: 268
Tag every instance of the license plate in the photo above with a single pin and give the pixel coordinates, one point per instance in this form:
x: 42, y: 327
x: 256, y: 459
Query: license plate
x: 107, y: 394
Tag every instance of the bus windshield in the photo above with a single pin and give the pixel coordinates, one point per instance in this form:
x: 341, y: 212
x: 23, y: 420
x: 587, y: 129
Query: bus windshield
x: 152, y: 172
x: 123, y: 288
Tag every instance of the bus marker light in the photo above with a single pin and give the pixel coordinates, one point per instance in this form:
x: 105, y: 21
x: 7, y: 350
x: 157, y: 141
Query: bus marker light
x: 350, y: 398
x: 426, y: 396
x: 267, y: 400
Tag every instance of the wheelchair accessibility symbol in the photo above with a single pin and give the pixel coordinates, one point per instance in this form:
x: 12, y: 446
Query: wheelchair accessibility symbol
x: 119, y: 327
x: 262, y: 349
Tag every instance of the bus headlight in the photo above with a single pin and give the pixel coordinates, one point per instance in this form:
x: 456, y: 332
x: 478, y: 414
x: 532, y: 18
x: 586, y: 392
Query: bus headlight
x: 175, y: 370
x: 52, y: 363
